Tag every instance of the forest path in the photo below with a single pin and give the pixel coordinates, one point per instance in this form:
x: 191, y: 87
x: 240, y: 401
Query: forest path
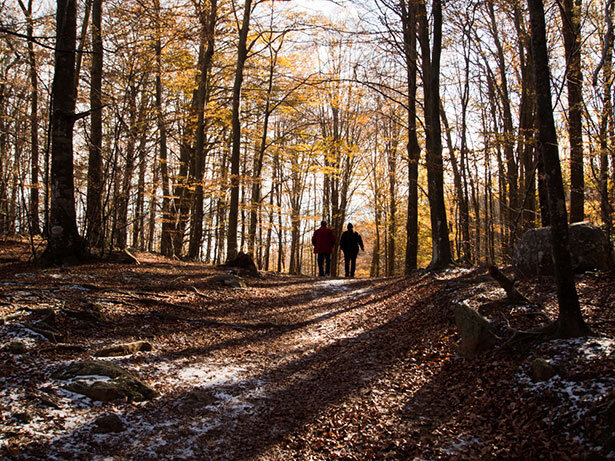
x: 291, y: 367
x: 228, y: 364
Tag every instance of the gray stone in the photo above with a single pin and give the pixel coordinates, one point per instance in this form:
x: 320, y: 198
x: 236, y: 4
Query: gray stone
x: 109, y: 422
x: 229, y: 280
x: 118, y: 350
x: 476, y: 333
x: 588, y: 248
x: 542, y: 370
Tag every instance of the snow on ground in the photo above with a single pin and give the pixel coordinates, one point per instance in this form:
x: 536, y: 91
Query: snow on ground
x: 578, y: 393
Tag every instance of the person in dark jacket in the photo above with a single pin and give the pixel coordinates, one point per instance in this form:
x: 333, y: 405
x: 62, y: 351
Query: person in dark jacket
x: 323, y: 241
x: 350, y: 243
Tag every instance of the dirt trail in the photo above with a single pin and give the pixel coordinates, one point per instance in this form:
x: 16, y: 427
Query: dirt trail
x: 215, y: 381
x: 289, y: 368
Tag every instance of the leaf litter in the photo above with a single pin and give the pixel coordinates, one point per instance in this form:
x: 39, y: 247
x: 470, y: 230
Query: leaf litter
x: 299, y: 368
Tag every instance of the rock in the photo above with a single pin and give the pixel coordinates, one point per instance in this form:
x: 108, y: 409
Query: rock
x: 198, y: 397
x: 122, y: 387
x: 15, y: 347
x: 476, y: 333
x: 102, y: 391
x: 229, y: 280
x: 542, y: 370
x: 588, y: 248
x: 243, y: 262
x: 109, y: 423
x: 124, y: 349
x: 123, y: 384
x: 90, y: 368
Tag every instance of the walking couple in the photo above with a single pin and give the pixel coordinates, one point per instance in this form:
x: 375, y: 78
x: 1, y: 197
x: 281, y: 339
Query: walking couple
x: 324, y: 243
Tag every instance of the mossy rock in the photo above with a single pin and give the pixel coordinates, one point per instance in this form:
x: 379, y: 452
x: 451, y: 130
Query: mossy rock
x: 542, y: 370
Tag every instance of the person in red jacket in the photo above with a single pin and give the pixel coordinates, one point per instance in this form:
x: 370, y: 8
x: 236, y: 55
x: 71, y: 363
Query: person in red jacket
x: 323, y: 241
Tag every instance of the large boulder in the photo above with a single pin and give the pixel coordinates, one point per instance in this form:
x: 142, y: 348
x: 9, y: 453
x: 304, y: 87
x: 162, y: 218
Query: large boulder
x: 588, y: 248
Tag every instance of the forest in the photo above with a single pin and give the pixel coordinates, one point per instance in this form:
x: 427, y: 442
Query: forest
x: 202, y: 129
x: 165, y: 164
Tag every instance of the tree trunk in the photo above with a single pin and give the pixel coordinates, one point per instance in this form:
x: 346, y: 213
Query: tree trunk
x: 571, y: 28
x: 606, y: 119
x: 570, y: 321
x: 33, y: 76
x: 512, y: 172
x: 392, y: 165
x: 441, y: 251
x: 166, y: 242
x: 196, y: 228
x: 242, y: 52
x: 64, y: 246
x: 94, y: 212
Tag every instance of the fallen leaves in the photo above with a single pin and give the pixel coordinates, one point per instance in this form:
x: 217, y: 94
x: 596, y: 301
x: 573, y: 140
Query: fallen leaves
x: 334, y: 369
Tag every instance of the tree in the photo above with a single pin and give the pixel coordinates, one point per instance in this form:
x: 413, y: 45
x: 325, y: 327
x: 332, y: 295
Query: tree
x: 571, y: 28
x: 441, y: 251
x: 93, y: 218
x: 570, y: 321
x: 65, y: 245
x: 242, y: 53
x: 33, y: 75
x: 203, y: 94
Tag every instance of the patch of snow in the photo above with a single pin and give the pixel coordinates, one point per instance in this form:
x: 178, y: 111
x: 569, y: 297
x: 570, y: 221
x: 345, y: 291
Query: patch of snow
x: 77, y: 287
x: 207, y: 376
x: 453, y: 272
x: 577, y: 398
x: 458, y: 447
x: 19, y: 332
